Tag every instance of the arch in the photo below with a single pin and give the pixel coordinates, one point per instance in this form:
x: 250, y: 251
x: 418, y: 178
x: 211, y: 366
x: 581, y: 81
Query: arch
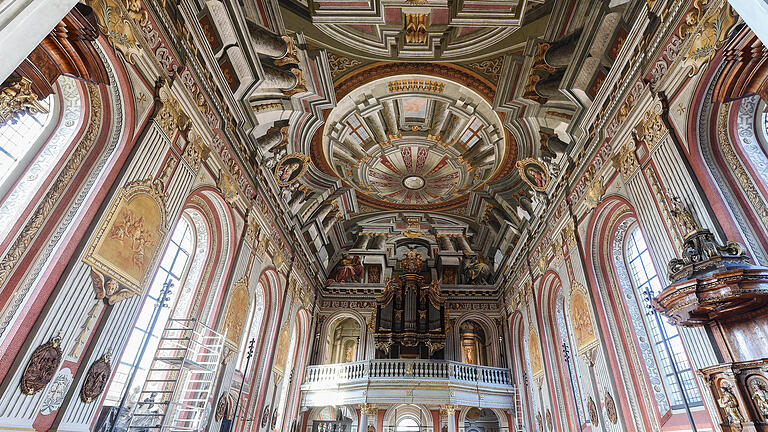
x: 102, y: 141
x: 491, y: 336
x: 303, y: 321
x: 332, y: 320
x: 551, y: 288
x: 723, y: 169
x: 209, y: 298
x: 519, y: 367
x: 488, y: 420
x: 635, y: 373
x: 619, y: 340
x: 419, y: 413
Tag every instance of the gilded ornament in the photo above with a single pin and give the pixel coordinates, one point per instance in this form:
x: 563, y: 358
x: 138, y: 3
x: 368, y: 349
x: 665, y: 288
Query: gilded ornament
x: 116, y: 19
x: 710, y: 34
x: 109, y: 290
x: 730, y: 405
x: 416, y: 28
x: 228, y: 187
x: 42, y: 366
x: 291, y: 168
x: 534, y: 173
x: 760, y: 398
x: 651, y: 128
x: 18, y: 99
x: 625, y: 161
x: 127, y: 242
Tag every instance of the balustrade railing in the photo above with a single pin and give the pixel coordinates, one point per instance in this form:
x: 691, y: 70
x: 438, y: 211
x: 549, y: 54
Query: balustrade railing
x: 407, y: 369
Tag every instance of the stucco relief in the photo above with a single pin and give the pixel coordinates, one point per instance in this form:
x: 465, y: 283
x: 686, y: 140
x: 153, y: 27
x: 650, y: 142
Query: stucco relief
x: 706, y: 148
x: 635, y: 315
x: 50, y: 154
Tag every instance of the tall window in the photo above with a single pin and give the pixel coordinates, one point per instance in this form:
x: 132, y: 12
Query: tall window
x: 172, y: 268
x: 31, y: 147
x: 253, y: 325
x: 17, y: 138
x: 665, y: 337
x: 572, y: 364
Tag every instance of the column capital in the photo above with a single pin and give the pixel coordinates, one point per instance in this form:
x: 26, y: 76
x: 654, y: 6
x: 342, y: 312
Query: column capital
x: 449, y: 409
x: 368, y: 409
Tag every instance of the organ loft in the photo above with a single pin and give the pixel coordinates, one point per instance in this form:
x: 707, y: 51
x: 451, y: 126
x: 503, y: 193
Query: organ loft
x: 383, y: 216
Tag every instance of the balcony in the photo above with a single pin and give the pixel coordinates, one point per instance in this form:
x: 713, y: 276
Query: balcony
x: 408, y: 381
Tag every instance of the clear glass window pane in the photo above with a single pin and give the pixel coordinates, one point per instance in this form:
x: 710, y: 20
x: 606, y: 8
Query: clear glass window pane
x: 175, y: 257
x: 665, y: 336
x: 16, y: 138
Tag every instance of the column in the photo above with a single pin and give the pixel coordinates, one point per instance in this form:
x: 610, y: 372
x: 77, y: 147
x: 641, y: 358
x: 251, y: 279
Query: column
x: 445, y: 243
x: 278, y: 78
x: 265, y: 42
x: 463, y: 243
x: 378, y: 243
x: 362, y: 240
x: 365, y: 411
x: 450, y: 411
x: 273, y: 138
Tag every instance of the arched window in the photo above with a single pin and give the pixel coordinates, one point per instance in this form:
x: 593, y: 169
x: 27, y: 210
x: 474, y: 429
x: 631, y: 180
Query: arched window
x: 18, y: 137
x: 666, y: 340
x: 565, y: 328
x: 253, y: 324
x: 31, y: 147
x: 174, y: 268
x: 407, y: 424
x: 288, y: 376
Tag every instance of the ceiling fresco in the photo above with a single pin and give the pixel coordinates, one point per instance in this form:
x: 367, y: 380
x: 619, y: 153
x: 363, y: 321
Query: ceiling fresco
x: 414, y: 141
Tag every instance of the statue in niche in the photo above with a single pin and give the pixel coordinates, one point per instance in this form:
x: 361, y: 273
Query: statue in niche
x: 759, y: 397
x: 683, y: 216
x: 729, y: 404
x: 371, y: 428
x: 474, y: 271
x: 349, y: 269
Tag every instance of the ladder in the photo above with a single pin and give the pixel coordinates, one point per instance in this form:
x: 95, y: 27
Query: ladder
x: 519, y: 425
x: 177, y: 391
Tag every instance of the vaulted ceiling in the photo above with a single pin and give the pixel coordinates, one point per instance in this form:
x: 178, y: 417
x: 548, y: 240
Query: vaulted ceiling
x: 444, y: 109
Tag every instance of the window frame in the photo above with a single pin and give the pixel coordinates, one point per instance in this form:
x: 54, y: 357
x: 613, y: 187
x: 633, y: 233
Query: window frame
x: 652, y: 320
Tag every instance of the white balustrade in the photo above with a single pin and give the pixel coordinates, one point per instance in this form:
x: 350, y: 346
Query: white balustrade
x: 407, y: 370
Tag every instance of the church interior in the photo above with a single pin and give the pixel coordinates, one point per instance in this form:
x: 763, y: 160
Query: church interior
x: 383, y: 215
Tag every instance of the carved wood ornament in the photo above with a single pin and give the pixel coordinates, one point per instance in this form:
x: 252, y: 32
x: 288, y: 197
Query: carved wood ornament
x: 610, y: 408
x: 222, y: 407
x: 592, y: 408
x: 42, y: 366
x: 97, y: 378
